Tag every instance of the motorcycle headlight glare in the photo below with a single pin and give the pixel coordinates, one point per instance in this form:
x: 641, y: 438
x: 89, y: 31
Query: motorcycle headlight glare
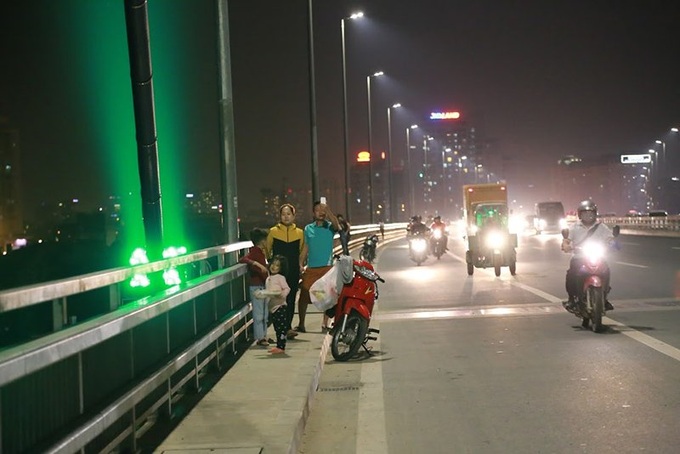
x: 563, y: 224
x: 437, y: 234
x: 593, y: 252
x: 419, y: 245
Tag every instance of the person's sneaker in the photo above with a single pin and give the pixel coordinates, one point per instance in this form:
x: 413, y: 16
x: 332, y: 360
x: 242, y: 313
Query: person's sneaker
x: 608, y: 306
x: 263, y: 343
x: 291, y: 334
x: 300, y: 329
x: 277, y: 351
x: 569, y: 305
x: 270, y: 341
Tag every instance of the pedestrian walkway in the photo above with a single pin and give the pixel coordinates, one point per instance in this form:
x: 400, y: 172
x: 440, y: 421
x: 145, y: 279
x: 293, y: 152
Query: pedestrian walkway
x: 261, y: 405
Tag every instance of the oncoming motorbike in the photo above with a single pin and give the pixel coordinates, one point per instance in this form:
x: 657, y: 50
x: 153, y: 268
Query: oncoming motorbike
x: 438, y: 243
x: 368, y: 249
x: 417, y: 248
x: 590, y: 301
x: 352, y: 313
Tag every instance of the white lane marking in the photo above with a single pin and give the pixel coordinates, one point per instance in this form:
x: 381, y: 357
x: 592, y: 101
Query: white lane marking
x: 676, y: 248
x: 634, y: 334
x: 537, y: 292
x: 371, y: 431
x: 645, y: 339
x: 631, y: 264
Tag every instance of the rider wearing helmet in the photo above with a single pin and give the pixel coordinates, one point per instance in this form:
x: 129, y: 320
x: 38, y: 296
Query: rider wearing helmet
x: 416, y: 227
x: 437, y: 224
x: 586, y: 228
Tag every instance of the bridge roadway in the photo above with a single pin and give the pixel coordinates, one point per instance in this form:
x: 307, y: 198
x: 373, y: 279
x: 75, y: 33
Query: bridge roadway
x: 263, y: 403
x: 66, y: 391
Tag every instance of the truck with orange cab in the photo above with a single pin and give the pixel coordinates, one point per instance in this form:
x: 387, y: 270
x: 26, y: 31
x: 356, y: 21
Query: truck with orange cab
x: 489, y: 241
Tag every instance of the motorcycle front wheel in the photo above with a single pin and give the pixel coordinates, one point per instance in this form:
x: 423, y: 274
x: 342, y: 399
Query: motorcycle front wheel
x: 345, y: 343
x: 596, y: 297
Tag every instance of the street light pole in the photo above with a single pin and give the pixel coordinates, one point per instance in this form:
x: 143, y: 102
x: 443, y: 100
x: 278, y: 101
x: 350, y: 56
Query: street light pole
x: 370, y: 148
x: 408, y: 166
x: 662, y: 173
x: 348, y: 189
x: 390, y: 192
x: 312, y: 105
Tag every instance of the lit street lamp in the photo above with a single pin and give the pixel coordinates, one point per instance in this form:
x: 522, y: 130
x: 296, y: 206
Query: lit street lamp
x: 390, y: 192
x: 344, y: 111
x: 408, y: 166
x: 370, y: 148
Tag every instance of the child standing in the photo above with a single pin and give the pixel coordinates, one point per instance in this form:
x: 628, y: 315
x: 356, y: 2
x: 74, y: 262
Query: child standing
x: 257, y: 275
x: 276, y: 291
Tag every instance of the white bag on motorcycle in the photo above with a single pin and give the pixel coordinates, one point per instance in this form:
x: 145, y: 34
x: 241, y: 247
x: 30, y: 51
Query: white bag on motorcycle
x: 323, y: 292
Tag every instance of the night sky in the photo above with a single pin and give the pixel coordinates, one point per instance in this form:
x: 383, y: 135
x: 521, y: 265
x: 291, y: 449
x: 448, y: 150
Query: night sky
x: 545, y: 78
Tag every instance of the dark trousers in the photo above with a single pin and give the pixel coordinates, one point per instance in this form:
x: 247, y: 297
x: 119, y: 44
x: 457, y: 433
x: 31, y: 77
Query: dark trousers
x: 294, y: 284
x: 280, y: 321
x: 574, y: 281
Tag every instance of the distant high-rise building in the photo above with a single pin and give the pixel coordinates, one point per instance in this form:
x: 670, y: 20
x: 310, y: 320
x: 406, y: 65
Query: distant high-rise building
x: 11, y: 210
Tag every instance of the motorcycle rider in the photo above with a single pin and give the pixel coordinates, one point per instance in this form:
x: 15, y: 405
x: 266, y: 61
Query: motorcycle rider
x: 439, y: 225
x: 417, y: 227
x: 587, y: 228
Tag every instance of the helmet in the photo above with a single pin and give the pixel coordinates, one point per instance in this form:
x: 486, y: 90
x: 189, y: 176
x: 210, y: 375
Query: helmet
x: 437, y: 218
x: 587, y: 206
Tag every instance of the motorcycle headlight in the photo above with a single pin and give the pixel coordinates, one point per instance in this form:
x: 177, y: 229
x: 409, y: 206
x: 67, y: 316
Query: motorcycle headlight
x: 437, y: 234
x: 593, y: 252
x: 563, y: 224
x: 494, y: 240
x: 419, y: 245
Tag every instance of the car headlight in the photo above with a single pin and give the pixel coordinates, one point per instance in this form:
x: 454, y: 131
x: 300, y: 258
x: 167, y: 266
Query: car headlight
x: 494, y: 240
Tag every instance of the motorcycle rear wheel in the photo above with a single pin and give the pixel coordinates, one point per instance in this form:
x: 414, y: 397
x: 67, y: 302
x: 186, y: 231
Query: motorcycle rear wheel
x: 596, y: 297
x: 345, y: 343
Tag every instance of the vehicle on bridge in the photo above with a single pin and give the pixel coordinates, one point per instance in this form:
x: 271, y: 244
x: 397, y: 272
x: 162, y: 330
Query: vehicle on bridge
x: 490, y: 243
x: 550, y: 217
x: 352, y: 312
x: 590, y: 301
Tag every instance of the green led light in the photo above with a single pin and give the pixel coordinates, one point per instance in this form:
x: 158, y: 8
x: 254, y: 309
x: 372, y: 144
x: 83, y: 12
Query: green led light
x: 173, y: 251
x: 139, y: 257
x: 171, y: 277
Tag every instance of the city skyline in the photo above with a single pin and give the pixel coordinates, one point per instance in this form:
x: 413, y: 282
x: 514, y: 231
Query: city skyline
x: 543, y: 80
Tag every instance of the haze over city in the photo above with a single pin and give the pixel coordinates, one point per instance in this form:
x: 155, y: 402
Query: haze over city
x: 540, y: 79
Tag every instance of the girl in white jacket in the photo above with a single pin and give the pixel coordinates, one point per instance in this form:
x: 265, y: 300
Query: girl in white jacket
x: 275, y: 291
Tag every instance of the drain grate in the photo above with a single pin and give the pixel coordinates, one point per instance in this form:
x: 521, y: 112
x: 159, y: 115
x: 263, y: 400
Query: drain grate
x: 339, y: 388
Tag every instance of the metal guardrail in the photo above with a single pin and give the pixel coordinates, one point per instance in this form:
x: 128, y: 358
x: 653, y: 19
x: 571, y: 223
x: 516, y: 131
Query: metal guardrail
x: 99, y: 385
x: 646, y: 224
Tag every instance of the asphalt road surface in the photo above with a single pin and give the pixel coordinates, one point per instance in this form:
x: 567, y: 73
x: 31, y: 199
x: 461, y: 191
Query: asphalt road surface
x: 485, y: 364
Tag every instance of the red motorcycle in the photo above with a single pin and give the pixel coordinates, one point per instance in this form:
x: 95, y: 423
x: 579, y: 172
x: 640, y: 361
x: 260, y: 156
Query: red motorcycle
x: 352, y: 313
x: 590, y: 301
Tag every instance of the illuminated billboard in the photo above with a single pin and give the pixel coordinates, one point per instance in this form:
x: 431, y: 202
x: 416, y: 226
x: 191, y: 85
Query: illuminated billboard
x: 444, y: 115
x: 636, y: 158
x: 363, y: 156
